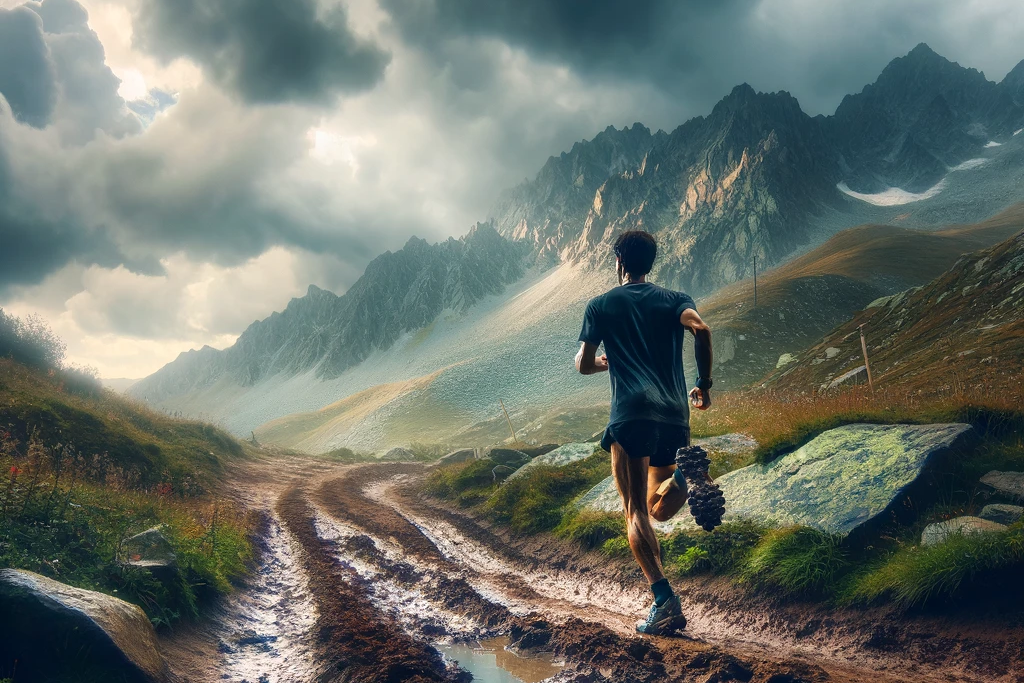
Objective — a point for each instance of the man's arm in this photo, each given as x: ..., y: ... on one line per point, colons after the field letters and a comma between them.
x: 587, y: 360
x: 701, y: 393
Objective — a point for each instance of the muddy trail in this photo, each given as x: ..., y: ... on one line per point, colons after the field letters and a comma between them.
x: 360, y: 578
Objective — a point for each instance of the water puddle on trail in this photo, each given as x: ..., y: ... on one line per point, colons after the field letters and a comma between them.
x: 490, y: 662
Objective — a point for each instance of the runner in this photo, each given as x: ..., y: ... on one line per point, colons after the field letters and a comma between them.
x: 642, y: 327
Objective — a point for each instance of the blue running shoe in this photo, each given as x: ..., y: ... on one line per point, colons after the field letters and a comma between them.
x: 663, y: 619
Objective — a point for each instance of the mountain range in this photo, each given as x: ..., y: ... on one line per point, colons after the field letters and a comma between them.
x: 929, y: 143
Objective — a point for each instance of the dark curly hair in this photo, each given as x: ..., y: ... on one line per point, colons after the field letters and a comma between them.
x: 636, y: 250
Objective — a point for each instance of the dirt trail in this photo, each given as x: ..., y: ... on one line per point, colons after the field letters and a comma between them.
x: 360, y: 577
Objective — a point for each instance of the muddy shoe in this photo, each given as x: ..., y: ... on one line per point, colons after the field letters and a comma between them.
x: 663, y: 619
x: 707, y: 504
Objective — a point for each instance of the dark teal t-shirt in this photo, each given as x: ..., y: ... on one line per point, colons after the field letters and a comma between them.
x: 643, y: 339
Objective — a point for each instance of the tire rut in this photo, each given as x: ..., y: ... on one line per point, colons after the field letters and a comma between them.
x: 592, y: 651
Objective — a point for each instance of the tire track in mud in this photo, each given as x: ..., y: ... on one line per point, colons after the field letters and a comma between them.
x: 354, y: 643
x: 878, y: 644
x: 591, y: 650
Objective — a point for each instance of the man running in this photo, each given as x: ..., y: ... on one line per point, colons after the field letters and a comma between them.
x: 642, y: 327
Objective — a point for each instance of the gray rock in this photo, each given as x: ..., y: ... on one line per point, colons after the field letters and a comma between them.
x: 502, y: 472
x: 1003, y: 514
x: 398, y: 455
x: 1009, y: 484
x: 839, y: 481
x: 150, y: 550
x: 939, y: 531
x: 560, y: 457
x: 455, y: 457
x: 50, y: 628
x: 858, y: 375
x: 508, y: 456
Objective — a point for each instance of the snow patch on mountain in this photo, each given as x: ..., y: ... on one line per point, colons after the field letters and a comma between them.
x: 893, y: 196
x: 969, y: 164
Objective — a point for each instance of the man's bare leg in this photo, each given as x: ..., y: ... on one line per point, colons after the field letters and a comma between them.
x: 665, y: 497
x: 631, y: 479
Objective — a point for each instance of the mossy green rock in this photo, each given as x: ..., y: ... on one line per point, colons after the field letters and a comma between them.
x: 938, y: 532
x: 54, y: 630
x: 839, y: 481
x: 560, y: 457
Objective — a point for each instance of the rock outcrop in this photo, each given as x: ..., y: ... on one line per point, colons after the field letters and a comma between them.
x: 939, y: 532
x: 455, y: 457
x: 398, y: 292
x: 565, y: 454
x: 53, y: 629
x: 1003, y: 514
x: 1008, y: 484
x: 839, y: 482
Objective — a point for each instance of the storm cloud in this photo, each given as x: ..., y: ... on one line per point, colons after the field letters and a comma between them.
x: 27, y: 75
x: 265, y: 50
x: 270, y: 144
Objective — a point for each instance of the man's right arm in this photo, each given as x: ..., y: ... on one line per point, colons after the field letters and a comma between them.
x: 701, y: 393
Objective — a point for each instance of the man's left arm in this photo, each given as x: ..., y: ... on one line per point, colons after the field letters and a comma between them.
x: 587, y: 360
x: 700, y: 395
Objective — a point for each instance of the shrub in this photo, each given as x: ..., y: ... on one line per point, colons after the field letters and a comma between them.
x: 798, y: 560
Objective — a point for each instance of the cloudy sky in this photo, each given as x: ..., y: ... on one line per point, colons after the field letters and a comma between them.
x: 171, y: 170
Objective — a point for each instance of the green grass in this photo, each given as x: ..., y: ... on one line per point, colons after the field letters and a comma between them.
x: 83, y: 469
x: 914, y: 575
x: 798, y: 561
x: 692, y: 552
x: 538, y: 500
x: 469, y: 483
x: 149, y: 447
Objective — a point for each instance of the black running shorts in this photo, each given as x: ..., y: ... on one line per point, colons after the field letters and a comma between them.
x: 658, y: 441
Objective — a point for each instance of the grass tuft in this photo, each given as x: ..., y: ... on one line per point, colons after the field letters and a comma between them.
x: 691, y: 552
x: 915, y: 575
x: 798, y: 561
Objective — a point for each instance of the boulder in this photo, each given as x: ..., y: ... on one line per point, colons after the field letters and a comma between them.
x: 939, y: 531
x: 839, y: 481
x: 398, y: 455
x: 151, y: 550
x: 559, y: 457
x: 501, y: 472
x: 56, y: 630
x: 1003, y: 514
x: 1009, y: 484
x: 455, y: 457
x: 508, y: 456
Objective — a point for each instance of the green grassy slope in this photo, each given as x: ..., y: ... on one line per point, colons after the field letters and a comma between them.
x: 962, y: 332
x: 84, y: 468
x: 804, y: 299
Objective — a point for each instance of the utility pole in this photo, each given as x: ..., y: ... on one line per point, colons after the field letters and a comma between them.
x: 507, y: 418
x: 867, y: 365
x: 755, y: 280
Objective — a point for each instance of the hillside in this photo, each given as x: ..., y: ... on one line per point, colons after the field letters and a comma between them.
x: 801, y: 301
x: 85, y: 469
x: 963, y: 332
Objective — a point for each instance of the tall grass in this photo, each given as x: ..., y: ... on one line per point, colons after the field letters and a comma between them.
x: 915, y: 575
x: 67, y: 516
x: 781, y: 422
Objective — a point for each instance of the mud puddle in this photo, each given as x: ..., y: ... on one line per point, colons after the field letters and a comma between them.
x: 490, y: 661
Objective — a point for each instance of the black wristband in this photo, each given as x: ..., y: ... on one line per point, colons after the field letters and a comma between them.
x: 704, y: 384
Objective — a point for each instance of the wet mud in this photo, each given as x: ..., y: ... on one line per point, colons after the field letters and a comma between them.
x: 362, y: 578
